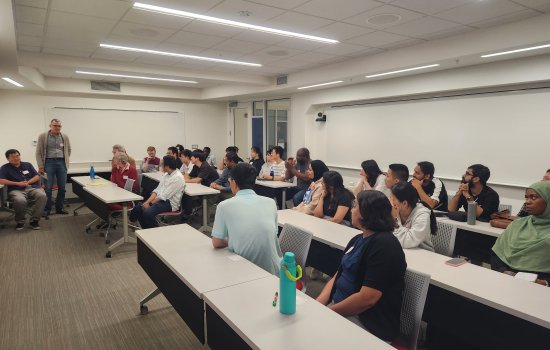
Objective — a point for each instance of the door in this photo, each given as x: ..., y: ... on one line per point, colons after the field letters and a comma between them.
x: 240, y: 117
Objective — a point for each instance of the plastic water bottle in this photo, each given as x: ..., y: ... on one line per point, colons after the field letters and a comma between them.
x: 92, y: 172
x: 287, y: 287
x: 272, y: 172
x: 472, y: 212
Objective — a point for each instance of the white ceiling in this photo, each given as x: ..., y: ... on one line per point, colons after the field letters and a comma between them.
x: 75, y: 28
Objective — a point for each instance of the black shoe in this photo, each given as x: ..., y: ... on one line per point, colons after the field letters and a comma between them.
x: 35, y: 225
x: 62, y: 212
x: 46, y: 214
x: 19, y: 226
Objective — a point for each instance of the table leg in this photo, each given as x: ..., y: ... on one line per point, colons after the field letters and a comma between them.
x: 283, y: 204
x: 205, y: 228
x: 126, y: 238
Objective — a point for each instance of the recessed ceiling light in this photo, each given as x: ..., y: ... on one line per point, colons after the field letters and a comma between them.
x: 322, y: 84
x: 134, y: 77
x: 178, y: 13
x: 383, y: 19
x: 515, y: 51
x: 174, y: 54
x: 402, y: 70
x: 13, y: 82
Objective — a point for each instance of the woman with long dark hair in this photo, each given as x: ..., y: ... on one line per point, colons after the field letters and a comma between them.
x: 256, y: 159
x: 336, y: 201
x: 371, y: 178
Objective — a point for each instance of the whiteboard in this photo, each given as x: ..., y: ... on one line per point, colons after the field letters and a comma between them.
x: 508, y: 132
x: 93, y: 132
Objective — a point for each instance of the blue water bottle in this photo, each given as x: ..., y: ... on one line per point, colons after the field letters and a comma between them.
x: 289, y: 273
x: 92, y: 172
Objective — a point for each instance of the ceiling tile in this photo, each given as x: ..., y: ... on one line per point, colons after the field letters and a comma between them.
x: 259, y: 37
x: 313, y: 57
x: 61, y: 33
x: 155, y: 19
x: 112, y: 9
x: 403, y: 43
x: 158, y: 60
x: 424, y: 27
x: 26, y: 40
x: 509, y: 18
x: 541, y: 5
x: 297, y: 22
x: 195, y: 39
x: 429, y: 7
x: 73, y: 53
x: 284, y: 4
x: 244, y: 47
x: 30, y: 14
x: 195, y: 64
x: 69, y: 45
x: 229, y: 9
x: 142, y: 31
x: 185, y: 49
x: 220, y: 54
x: 341, y: 49
x: 34, y: 3
x: 479, y: 11
x: 405, y: 16
x: 131, y: 41
x: 367, y: 52
x: 377, y: 39
x: 301, y: 44
x: 75, y: 24
x: 199, y: 6
x: 341, y: 31
x: 115, y: 55
x: 335, y: 10
x: 290, y: 63
x: 212, y: 29
x: 447, y: 33
x: 29, y: 29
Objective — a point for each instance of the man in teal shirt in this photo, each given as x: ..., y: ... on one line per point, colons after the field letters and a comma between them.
x: 247, y: 223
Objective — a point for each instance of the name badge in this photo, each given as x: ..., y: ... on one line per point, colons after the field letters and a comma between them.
x: 61, y: 144
x: 25, y: 172
x: 125, y: 177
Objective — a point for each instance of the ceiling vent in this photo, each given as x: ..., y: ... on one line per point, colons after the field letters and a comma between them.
x: 282, y: 80
x: 104, y: 86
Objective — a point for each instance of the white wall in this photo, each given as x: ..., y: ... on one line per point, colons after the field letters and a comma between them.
x: 304, y: 107
x: 22, y: 120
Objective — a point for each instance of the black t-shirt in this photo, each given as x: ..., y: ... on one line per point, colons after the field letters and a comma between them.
x: 179, y: 163
x: 382, y: 267
x: 488, y: 199
x: 206, y: 173
x: 342, y: 198
x: 443, y: 199
x: 257, y: 164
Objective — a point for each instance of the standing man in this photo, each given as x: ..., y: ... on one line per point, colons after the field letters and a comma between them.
x: 52, y: 156
x: 23, y: 189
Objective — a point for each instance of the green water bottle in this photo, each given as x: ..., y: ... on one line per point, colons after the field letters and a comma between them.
x: 289, y: 273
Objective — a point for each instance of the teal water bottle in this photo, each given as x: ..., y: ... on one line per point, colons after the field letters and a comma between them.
x: 92, y: 172
x: 287, y: 283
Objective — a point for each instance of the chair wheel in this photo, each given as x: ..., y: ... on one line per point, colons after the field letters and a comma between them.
x: 108, y: 254
x: 75, y: 213
x: 88, y: 229
x: 102, y: 234
x: 98, y: 226
x: 107, y: 241
x: 143, y: 309
x: 114, y: 227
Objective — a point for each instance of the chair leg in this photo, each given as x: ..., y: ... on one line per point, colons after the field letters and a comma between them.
x: 142, y: 307
x: 107, y: 240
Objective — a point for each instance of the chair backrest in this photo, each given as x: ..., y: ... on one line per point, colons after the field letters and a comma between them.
x: 502, y: 207
x: 444, y: 240
x: 296, y: 240
x: 414, y: 298
x: 129, y: 185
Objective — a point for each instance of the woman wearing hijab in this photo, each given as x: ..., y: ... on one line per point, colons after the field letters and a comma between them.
x: 313, y: 193
x: 524, y: 245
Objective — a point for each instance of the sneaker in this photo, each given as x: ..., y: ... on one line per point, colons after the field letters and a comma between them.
x: 19, y: 226
x: 62, y: 212
x: 35, y: 225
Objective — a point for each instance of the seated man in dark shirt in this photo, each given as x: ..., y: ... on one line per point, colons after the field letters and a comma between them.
x: 474, y: 188
x: 298, y: 169
x: 23, y: 189
x: 202, y: 173
x: 430, y: 189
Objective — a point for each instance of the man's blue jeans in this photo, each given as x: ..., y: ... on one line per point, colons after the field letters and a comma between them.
x: 146, y: 217
x: 57, y: 172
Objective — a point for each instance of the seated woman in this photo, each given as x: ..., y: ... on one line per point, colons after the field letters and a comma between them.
x: 121, y: 172
x: 372, y: 178
x: 336, y: 201
x: 416, y: 222
x: 368, y: 287
x: 523, y: 246
x: 256, y: 159
x: 313, y: 193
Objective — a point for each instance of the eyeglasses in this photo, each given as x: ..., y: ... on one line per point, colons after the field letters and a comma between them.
x: 56, y: 126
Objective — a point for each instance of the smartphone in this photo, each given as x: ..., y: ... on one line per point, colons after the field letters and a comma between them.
x: 456, y: 262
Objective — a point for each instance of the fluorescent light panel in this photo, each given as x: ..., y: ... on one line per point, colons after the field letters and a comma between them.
x: 11, y: 81
x: 401, y: 71
x: 515, y: 51
x: 174, y: 54
x: 323, y: 84
x: 178, y: 13
x: 134, y: 77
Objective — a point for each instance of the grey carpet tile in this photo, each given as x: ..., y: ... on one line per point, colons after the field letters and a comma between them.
x: 58, y: 291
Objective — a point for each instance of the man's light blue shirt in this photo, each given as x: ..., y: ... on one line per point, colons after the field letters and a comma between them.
x: 249, y: 222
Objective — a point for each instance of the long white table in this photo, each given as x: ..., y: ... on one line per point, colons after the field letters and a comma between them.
x: 191, y: 189
x: 278, y: 185
x: 481, y: 227
x: 184, y: 265
x: 112, y: 195
x: 242, y: 316
x: 469, y: 303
